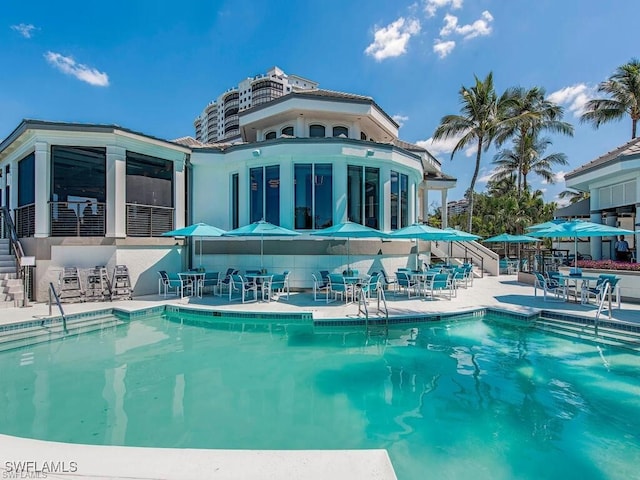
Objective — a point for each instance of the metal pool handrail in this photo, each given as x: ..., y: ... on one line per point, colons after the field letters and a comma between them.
x: 55, y: 295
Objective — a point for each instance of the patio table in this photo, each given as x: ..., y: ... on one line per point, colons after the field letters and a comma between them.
x: 195, y: 279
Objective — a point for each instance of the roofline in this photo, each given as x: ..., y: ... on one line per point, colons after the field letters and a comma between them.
x: 303, y: 94
x: 31, y: 124
x: 590, y: 168
x: 282, y: 141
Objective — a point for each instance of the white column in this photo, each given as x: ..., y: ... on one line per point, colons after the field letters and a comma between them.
x: 179, y: 179
x: 115, y: 210
x: 636, y: 227
x: 340, y: 180
x: 299, y: 130
x: 612, y: 221
x: 445, y: 213
x: 355, y: 131
x: 13, y: 182
x: 42, y: 184
x: 414, y: 203
x: 425, y: 204
x: 596, y: 242
x: 287, y: 199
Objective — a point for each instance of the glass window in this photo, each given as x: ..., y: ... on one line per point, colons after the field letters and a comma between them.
x: 27, y: 180
x: 313, y: 190
x: 363, y: 136
x: 287, y: 131
x: 354, y: 193
x: 363, y: 195
x: 235, y: 200
x: 372, y: 197
x: 340, y: 131
x: 79, y: 174
x: 265, y: 194
x: 317, y: 131
x: 149, y: 180
x: 270, y: 136
x: 399, y: 200
x: 404, y: 200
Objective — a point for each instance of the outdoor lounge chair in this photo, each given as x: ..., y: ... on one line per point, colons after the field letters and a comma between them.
x: 166, y: 283
x: 406, y: 283
x: 211, y: 280
x: 440, y: 282
x: 388, y: 282
x: 276, y: 284
x: 338, y: 286
x: 320, y: 286
x: 371, y: 286
x: 238, y: 284
x: 549, y: 285
x: 225, y: 281
x: 599, y: 289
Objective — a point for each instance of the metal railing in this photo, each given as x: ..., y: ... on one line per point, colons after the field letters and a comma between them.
x: 148, y: 220
x: 473, y: 255
x: 8, y: 230
x: 52, y: 291
x: 25, y: 220
x: 77, y: 219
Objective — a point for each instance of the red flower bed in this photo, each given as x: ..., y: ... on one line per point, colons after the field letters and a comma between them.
x: 609, y: 265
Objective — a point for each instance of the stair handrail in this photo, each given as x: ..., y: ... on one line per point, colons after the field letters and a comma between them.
x: 12, y: 235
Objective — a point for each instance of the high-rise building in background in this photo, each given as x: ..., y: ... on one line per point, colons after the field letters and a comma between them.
x: 219, y: 121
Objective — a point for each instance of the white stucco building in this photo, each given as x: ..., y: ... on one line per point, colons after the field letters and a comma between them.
x: 85, y: 195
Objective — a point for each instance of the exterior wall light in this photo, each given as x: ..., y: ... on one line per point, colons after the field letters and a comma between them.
x: 256, y: 152
x: 370, y: 152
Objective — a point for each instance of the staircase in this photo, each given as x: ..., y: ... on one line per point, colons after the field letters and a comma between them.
x: 11, y: 287
x: 480, y: 255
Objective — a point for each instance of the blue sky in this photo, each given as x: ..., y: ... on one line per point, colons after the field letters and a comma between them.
x: 153, y: 65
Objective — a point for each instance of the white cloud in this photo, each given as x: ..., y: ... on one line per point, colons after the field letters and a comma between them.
x: 432, y: 6
x: 575, y: 97
x: 82, y: 72
x: 438, y: 147
x: 479, y: 28
x: 24, y: 29
x: 400, y: 119
x: 485, y: 176
x: 450, y: 25
x: 391, y: 41
x: 442, y: 48
x: 558, y: 177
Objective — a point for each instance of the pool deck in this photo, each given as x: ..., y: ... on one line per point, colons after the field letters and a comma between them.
x: 503, y: 292
x: 101, y: 462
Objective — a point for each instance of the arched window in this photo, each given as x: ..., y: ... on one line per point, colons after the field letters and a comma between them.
x: 341, y: 132
x: 287, y: 131
x: 363, y: 136
x: 270, y: 136
x: 317, y: 131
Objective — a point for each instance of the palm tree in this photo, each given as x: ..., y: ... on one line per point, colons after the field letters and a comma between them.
x: 530, y: 113
x: 526, y: 157
x: 623, y: 91
x: 573, y: 195
x: 481, y: 114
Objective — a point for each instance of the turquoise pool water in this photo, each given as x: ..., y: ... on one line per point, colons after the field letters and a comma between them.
x: 477, y: 399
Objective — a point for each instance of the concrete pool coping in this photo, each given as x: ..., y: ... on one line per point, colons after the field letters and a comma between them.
x: 116, y: 462
x: 500, y: 293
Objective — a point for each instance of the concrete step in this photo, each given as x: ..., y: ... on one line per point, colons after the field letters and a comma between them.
x: 606, y: 335
x: 39, y: 334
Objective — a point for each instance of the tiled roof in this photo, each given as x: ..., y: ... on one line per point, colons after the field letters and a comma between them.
x: 628, y: 149
x: 319, y: 92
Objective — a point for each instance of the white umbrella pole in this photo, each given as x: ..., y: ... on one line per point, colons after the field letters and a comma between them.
x: 261, y: 253
x: 200, y: 252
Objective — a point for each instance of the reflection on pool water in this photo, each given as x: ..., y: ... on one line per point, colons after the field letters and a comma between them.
x: 478, y: 398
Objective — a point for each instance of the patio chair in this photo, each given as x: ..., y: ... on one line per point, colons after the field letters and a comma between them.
x: 166, y: 283
x: 276, y: 284
x: 458, y: 279
x: 599, y: 289
x: 388, y: 282
x: 371, y: 286
x: 339, y: 287
x: 211, y: 280
x: 319, y: 286
x: 238, y: 284
x: 407, y: 283
x: 225, y: 281
x: 549, y: 285
x: 440, y: 282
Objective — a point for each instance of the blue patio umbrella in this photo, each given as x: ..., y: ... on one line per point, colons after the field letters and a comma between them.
x: 509, y: 238
x: 579, y: 229
x: 261, y: 229
x: 350, y: 230
x: 550, y: 223
x: 420, y: 231
x: 198, y: 230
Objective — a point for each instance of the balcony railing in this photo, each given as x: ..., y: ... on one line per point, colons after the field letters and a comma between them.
x: 25, y: 220
x: 77, y: 219
x: 148, y: 220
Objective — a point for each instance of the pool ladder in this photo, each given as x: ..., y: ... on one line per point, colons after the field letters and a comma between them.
x: 363, y: 308
x: 52, y: 291
x: 605, y: 293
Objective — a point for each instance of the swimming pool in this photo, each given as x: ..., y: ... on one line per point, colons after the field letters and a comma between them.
x: 478, y: 397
